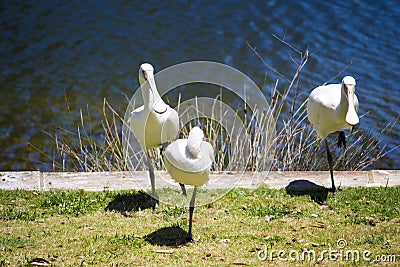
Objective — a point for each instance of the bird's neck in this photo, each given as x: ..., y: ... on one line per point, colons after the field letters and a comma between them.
x: 152, y: 100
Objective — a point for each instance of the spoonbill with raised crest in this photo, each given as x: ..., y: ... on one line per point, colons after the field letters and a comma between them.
x: 188, y: 161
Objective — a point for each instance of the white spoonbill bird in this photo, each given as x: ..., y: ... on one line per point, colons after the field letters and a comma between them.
x: 155, y: 123
x: 332, y: 108
x: 188, y: 161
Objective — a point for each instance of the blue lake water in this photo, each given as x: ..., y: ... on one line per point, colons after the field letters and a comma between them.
x: 91, y: 50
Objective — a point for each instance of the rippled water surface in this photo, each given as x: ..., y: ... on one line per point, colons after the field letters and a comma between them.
x: 61, y: 56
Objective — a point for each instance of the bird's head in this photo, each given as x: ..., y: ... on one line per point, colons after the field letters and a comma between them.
x: 195, y: 138
x: 152, y: 99
x: 146, y: 71
x: 349, y: 87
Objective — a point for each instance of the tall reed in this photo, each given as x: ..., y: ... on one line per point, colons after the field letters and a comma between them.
x: 294, y: 146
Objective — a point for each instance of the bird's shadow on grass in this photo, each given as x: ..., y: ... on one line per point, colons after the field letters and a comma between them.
x: 316, y: 192
x: 130, y: 202
x: 167, y: 236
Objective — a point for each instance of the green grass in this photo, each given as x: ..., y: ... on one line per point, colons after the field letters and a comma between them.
x: 80, y: 228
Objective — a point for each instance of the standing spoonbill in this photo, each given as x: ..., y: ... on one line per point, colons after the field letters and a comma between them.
x: 155, y: 123
x: 332, y: 108
x: 188, y: 161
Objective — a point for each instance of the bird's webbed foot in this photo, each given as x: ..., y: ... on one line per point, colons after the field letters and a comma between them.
x: 189, y: 239
x: 154, y: 201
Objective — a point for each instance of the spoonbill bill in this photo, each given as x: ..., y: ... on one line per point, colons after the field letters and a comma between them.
x: 155, y: 123
x: 188, y: 161
x: 332, y: 108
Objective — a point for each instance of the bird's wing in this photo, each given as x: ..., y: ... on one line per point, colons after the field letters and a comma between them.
x: 313, y: 110
x: 178, y: 157
x: 136, y: 120
x: 210, y: 151
x: 327, y: 95
x: 170, y: 127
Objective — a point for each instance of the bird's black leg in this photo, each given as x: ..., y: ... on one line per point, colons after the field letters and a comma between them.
x: 183, y: 189
x: 341, y: 139
x: 328, y: 153
x: 191, y: 210
x: 152, y: 182
x: 164, y: 146
x: 354, y: 128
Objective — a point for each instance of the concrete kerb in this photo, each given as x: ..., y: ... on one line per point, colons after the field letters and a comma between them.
x: 100, y: 181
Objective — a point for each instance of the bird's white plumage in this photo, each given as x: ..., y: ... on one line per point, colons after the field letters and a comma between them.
x: 154, y: 123
x: 333, y: 107
x: 349, y: 80
x: 188, y: 161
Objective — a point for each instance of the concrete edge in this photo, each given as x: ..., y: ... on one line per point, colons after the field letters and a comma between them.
x: 100, y: 181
